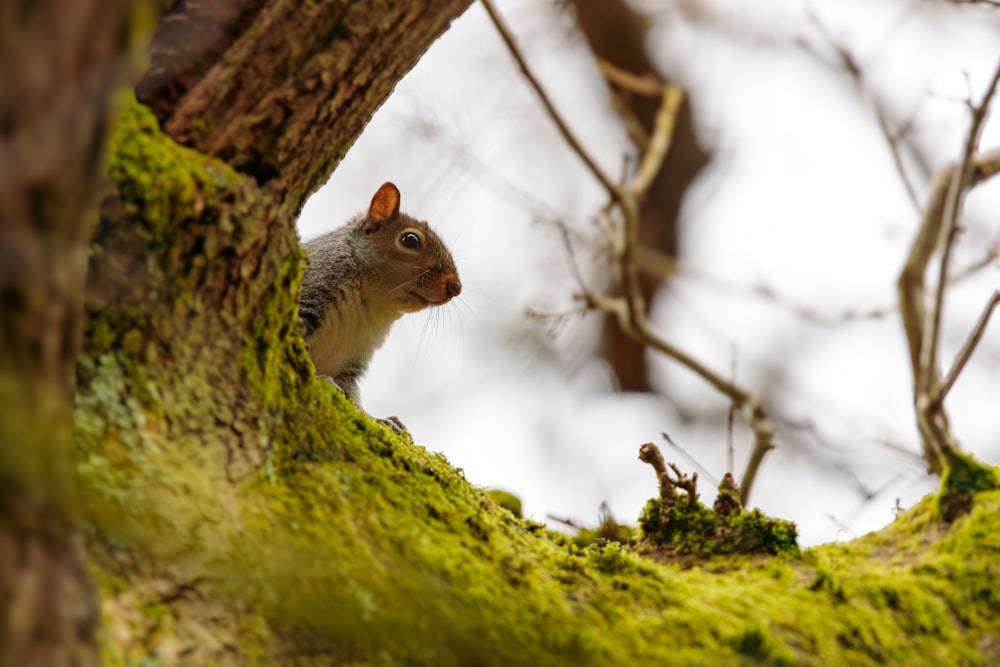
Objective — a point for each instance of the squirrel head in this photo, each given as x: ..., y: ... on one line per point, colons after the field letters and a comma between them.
x: 416, y: 269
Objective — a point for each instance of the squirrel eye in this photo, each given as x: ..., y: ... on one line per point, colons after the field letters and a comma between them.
x: 410, y: 240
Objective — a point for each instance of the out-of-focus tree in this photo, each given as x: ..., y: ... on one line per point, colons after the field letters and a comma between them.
x: 617, y: 35
x: 60, y: 63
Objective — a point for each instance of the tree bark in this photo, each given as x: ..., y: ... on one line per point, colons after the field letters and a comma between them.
x: 59, y: 62
x: 193, y: 367
x: 280, y: 89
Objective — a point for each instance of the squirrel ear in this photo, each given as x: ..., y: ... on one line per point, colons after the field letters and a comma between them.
x: 385, y: 205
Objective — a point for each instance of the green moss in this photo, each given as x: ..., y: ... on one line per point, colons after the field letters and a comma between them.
x: 962, y: 478
x: 159, y: 180
x: 389, y: 556
x: 241, y: 511
x: 507, y: 500
x: 691, y: 529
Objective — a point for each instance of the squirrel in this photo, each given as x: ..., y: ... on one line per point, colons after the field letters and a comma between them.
x: 364, y: 276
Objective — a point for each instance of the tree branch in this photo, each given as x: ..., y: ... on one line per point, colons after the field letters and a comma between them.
x: 967, y: 349
x: 936, y: 234
x: 567, y: 134
x: 960, y: 183
x: 849, y: 64
x: 630, y: 309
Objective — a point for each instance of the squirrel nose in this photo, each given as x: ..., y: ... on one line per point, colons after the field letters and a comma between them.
x: 453, y: 287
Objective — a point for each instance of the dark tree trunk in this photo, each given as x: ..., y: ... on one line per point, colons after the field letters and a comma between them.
x: 59, y: 62
x: 617, y: 35
x: 192, y: 356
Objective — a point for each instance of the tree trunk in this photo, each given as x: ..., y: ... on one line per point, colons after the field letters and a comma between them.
x: 59, y: 63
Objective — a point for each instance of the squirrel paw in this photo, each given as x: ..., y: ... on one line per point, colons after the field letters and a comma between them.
x: 395, y: 424
x: 329, y: 379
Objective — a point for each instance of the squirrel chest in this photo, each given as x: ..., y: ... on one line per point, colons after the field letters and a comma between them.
x: 364, y: 276
x: 348, y: 334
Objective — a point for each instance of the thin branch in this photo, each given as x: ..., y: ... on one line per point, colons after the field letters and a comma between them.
x: 730, y: 418
x: 687, y: 484
x: 892, y: 139
x: 937, y: 233
x: 960, y: 183
x: 763, y: 442
x: 967, y: 349
x: 643, y: 85
x: 630, y: 309
x: 991, y: 256
x: 650, y: 453
x: 683, y: 452
x: 849, y: 64
x: 620, y: 308
x: 911, y: 279
x: 659, y: 144
x: 564, y: 130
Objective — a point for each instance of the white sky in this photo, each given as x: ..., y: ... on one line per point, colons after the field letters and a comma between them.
x: 802, y: 197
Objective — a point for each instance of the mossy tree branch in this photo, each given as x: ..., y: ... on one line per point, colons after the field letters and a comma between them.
x: 240, y: 512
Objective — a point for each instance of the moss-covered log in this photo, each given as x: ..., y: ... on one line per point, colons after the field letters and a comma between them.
x: 240, y: 512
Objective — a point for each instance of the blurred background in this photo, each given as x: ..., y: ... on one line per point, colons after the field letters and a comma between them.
x: 790, y: 200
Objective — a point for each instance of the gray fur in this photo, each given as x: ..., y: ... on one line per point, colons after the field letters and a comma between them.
x: 334, y: 289
x: 361, y: 278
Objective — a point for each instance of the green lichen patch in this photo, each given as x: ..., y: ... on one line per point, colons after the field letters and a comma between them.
x: 679, y: 527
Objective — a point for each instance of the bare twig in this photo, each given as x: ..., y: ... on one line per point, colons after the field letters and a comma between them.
x: 967, y: 349
x: 849, y: 64
x: 937, y: 233
x: 566, y: 521
x: 659, y: 143
x: 650, y: 453
x: 988, y: 258
x: 620, y: 308
x: 630, y: 309
x: 730, y: 417
x: 687, y: 484
x: 564, y: 130
x: 623, y: 207
x: 911, y: 279
x: 643, y: 85
x: 691, y: 459
x: 960, y: 183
